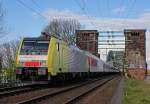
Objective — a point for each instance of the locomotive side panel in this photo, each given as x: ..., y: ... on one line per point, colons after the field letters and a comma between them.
x: 78, y: 61
x: 100, y: 66
x: 53, y: 57
x: 96, y: 65
x: 65, y: 58
x: 93, y: 64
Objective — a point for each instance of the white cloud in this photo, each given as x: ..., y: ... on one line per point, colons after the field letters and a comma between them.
x: 142, y: 21
x: 121, y: 9
x: 100, y: 23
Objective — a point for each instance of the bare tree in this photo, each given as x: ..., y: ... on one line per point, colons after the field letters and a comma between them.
x: 63, y: 28
x: 1, y: 28
x: 8, y: 53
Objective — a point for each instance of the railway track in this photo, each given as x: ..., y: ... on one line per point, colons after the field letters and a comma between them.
x: 20, y: 97
x: 11, y: 91
x: 77, y: 98
x: 16, y: 87
x: 69, y: 95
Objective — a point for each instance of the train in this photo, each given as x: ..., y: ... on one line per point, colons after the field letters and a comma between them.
x: 47, y: 59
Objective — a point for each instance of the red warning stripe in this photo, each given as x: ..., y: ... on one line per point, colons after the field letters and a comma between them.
x: 35, y: 63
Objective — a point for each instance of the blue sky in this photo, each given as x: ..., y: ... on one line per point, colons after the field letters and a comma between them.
x: 93, y: 14
x: 21, y: 21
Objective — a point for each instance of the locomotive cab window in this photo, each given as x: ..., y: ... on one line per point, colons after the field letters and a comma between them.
x: 37, y: 47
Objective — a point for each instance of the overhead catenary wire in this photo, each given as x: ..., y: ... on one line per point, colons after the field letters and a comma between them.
x: 82, y: 8
x: 132, y: 4
x: 88, y: 12
x: 36, y: 4
x: 30, y: 8
x: 85, y: 11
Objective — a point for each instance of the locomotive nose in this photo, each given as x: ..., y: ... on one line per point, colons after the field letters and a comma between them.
x: 32, y: 73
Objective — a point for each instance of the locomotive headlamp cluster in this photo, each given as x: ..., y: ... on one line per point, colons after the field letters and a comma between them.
x: 41, y: 71
x: 18, y: 71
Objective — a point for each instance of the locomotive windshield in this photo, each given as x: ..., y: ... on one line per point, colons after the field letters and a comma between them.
x: 34, y: 47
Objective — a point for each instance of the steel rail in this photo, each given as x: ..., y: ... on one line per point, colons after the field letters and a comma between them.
x: 16, y: 87
x: 38, y: 99
x: 19, y: 90
x: 76, y: 98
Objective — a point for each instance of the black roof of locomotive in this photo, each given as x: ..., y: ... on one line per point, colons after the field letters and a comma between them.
x: 35, y: 39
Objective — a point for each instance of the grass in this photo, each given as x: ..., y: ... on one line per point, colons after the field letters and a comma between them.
x: 136, y: 92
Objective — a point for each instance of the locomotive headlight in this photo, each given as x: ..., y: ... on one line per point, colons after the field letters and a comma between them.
x: 41, y: 71
x: 19, y: 71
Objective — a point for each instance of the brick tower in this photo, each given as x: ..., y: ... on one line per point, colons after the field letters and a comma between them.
x: 87, y: 40
x: 135, y: 52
